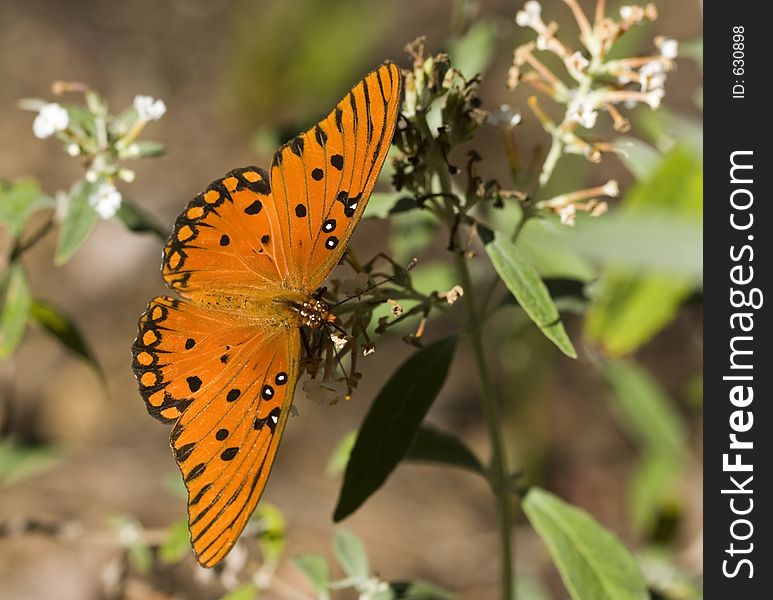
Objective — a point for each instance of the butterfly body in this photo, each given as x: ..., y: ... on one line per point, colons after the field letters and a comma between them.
x: 247, y: 256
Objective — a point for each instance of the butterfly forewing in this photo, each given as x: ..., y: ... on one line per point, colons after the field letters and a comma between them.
x: 325, y: 176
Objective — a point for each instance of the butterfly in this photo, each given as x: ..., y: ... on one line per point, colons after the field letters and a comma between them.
x: 246, y: 257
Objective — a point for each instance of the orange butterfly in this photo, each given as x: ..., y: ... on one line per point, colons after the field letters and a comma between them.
x: 247, y: 256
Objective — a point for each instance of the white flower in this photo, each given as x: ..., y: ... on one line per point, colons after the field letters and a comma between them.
x: 568, y: 214
x: 106, y: 200
x: 51, y: 118
x: 530, y: 16
x: 577, y: 62
x: 126, y: 175
x: 654, y: 98
x: 338, y: 341
x: 669, y: 48
x: 582, y: 112
x: 504, y: 115
x: 611, y: 189
x: 652, y: 76
x: 626, y: 12
x: 453, y: 294
x: 73, y: 149
x: 148, y: 108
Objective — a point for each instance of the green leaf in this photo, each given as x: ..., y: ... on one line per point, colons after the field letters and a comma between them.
x: 138, y: 220
x: 523, y: 281
x: 248, y: 591
x: 633, y: 305
x: 433, y: 445
x: 340, y: 455
x: 177, y: 544
x: 351, y: 555
x: 64, y: 330
x: 316, y: 570
x: 551, y: 256
x: 641, y: 159
x: 652, y: 489
x: 271, y: 538
x: 140, y: 557
x: 644, y: 409
x: 77, y: 224
x: 19, y: 462
x: 391, y: 424
x: 18, y: 200
x: 472, y: 52
x: 419, y: 590
x: 15, y: 300
x: 592, y: 562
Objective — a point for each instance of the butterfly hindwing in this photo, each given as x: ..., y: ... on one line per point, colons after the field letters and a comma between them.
x: 324, y: 177
x: 228, y: 388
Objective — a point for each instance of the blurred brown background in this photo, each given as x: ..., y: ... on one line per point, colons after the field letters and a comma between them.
x: 224, y: 70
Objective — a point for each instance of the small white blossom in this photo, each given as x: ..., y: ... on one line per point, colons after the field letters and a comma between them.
x: 369, y: 349
x: 568, y: 214
x: 453, y: 294
x: 582, y: 112
x: 611, y: 189
x: 577, y: 62
x: 126, y: 175
x: 338, y: 341
x: 91, y: 176
x: 654, y: 98
x: 504, y: 115
x: 530, y: 16
x: 395, y: 307
x: 73, y: 149
x: 51, y: 119
x: 669, y: 48
x: 149, y: 108
x: 626, y: 12
x: 106, y: 200
x: 652, y: 75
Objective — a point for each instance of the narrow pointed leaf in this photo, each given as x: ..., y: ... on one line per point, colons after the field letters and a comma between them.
x: 351, y: 555
x: 592, y: 562
x: 64, y: 329
x: 77, y: 223
x: 139, y: 221
x: 433, y: 445
x: 15, y: 303
x: 523, y: 281
x: 316, y: 570
x: 391, y: 424
x: 18, y: 200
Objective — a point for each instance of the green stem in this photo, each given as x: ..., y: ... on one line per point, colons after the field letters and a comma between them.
x: 498, y: 476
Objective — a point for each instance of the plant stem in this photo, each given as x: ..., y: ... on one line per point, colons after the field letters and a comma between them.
x: 498, y: 476
x: 22, y: 246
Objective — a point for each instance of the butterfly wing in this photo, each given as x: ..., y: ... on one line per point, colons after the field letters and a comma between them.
x: 226, y: 238
x: 322, y: 179
x: 228, y: 387
x: 250, y: 230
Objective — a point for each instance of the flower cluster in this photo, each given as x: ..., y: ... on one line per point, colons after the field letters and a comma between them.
x: 100, y: 139
x: 593, y: 83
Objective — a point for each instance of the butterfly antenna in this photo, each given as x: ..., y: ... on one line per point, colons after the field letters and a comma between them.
x: 408, y: 267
